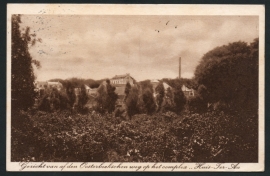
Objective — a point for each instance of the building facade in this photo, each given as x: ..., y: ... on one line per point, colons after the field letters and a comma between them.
x: 56, y: 85
x: 41, y: 86
x: 188, y: 91
x: 122, y: 79
x: 47, y: 84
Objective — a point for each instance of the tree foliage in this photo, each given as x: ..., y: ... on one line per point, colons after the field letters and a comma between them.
x: 83, y: 98
x: 112, y: 97
x: 53, y: 100
x: 106, y: 98
x: 127, y: 90
x: 77, y: 82
x: 179, y: 99
x: 230, y: 75
x: 70, y: 91
x: 146, y: 102
x: 180, y: 82
x: 160, y: 91
x: 64, y: 137
x: 22, y: 75
x: 132, y: 101
x: 168, y: 104
x: 101, y: 98
x: 140, y: 99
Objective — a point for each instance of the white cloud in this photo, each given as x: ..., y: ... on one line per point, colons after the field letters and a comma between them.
x: 102, y: 46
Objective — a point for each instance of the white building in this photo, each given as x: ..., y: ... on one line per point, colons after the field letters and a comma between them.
x: 56, y: 85
x: 122, y: 79
x: 48, y: 84
x: 188, y: 91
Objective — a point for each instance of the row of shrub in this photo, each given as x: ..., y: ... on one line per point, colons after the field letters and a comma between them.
x: 53, y: 99
x: 139, y: 98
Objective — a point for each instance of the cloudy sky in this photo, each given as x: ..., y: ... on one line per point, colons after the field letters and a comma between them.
x: 147, y: 47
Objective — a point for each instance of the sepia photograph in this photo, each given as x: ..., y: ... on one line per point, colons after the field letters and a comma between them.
x: 111, y: 91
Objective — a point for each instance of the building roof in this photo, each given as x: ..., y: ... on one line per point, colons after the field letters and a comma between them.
x: 166, y: 86
x: 185, y: 88
x: 87, y: 87
x: 122, y: 76
x: 54, y: 83
x: 154, y: 81
x: 39, y: 84
x: 155, y: 84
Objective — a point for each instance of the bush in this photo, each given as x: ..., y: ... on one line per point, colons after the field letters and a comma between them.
x: 111, y: 98
x: 127, y: 90
x: 168, y: 103
x: 179, y: 100
x: 64, y: 137
x: 101, y: 99
x: 196, y: 104
x: 140, y: 99
x: 45, y: 104
x: 132, y: 101
x: 146, y: 102
x: 70, y: 91
x: 50, y: 100
x: 83, y: 98
x: 160, y: 91
x: 106, y: 98
x: 63, y: 98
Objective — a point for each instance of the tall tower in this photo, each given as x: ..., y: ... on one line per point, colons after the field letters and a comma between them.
x: 179, y: 67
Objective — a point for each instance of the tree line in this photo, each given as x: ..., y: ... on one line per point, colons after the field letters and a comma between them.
x: 78, y: 82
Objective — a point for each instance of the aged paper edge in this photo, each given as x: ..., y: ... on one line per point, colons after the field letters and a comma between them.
x: 109, y: 9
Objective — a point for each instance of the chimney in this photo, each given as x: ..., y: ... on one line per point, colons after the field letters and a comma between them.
x: 179, y: 67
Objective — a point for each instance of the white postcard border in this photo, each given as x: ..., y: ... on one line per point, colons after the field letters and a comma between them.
x: 109, y: 9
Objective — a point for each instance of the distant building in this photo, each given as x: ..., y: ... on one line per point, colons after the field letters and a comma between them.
x: 122, y: 80
x: 41, y: 86
x: 87, y: 88
x: 119, y: 82
x: 56, y: 85
x: 188, y: 91
x: 90, y: 91
x: 155, y: 83
x: 48, y: 84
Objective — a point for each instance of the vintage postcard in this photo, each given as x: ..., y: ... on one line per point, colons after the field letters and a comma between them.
x: 140, y: 88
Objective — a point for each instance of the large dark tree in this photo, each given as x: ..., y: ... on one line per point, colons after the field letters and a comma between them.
x: 22, y: 75
x: 230, y: 75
